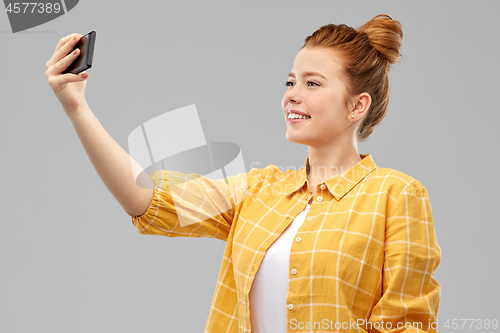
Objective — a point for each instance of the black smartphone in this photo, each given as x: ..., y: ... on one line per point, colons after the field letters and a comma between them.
x: 84, y: 61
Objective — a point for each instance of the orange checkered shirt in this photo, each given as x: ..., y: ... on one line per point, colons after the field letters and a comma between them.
x: 364, y: 257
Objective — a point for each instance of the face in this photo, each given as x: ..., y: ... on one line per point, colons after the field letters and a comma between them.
x: 315, y: 88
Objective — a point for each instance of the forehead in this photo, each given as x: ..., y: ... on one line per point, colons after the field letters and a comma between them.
x: 315, y: 59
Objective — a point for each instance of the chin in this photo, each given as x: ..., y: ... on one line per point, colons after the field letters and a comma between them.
x: 297, y: 139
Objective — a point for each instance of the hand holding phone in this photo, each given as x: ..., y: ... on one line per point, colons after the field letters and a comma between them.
x: 70, y: 89
x: 84, y: 61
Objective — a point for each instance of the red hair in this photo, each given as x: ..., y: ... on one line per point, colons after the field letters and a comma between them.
x: 366, y: 55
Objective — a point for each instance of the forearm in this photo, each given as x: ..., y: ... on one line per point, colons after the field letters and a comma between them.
x: 116, y: 168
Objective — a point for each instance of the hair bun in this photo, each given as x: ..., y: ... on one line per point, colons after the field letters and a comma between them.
x: 385, y: 36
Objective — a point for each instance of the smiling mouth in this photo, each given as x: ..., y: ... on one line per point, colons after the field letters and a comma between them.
x: 297, y: 120
x: 292, y: 116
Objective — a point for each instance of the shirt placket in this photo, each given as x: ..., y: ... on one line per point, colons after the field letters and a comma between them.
x: 300, y: 245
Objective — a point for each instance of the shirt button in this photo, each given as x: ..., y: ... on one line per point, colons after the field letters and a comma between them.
x: 309, y: 218
x: 320, y: 198
x: 298, y: 239
x: 290, y: 306
x: 294, y: 271
x: 323, y: 186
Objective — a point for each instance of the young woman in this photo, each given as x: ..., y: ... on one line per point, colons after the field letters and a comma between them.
x: 339, y: 245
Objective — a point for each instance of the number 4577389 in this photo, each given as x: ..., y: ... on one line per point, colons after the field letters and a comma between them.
x: 41, y: 8
x: 471, y: 323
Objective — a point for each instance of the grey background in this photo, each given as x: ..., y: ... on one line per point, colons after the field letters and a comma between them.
x: 70, y: 258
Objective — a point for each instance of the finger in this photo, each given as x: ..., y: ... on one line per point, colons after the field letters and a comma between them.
x: 63, y: 50
x: 56, y: 56
x: 67, y: 78
x: 64, y: 40
x: 62, y: 64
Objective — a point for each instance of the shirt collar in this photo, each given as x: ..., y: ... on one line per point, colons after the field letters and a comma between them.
x: 339, y: 185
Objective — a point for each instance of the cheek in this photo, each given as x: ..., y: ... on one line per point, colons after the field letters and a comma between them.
x: 329, y: 108
x: 322, y: 104
x: 331, y: 102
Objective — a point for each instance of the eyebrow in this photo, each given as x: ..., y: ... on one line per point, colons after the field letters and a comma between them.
x: 306, y: 74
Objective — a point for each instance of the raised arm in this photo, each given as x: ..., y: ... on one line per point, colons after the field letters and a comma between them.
x: 114, y: 165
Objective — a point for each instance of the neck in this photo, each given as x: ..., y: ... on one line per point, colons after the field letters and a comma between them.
x: 326, y: 162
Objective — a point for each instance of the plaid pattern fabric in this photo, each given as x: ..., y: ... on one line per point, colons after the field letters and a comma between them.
x: 363, y: 260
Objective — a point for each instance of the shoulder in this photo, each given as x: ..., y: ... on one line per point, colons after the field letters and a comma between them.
x: 271, y: 175
x: 394, y: 181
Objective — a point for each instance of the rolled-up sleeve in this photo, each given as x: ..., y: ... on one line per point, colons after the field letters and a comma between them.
x: 191, y: 205
x: 410, y: 294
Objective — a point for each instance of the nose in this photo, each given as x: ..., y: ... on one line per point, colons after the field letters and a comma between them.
x: 292, y: 95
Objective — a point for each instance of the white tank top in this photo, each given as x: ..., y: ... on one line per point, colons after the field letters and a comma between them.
x: 270, y: 286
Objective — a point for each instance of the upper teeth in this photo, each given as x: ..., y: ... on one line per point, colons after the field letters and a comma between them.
x: 297, y: 116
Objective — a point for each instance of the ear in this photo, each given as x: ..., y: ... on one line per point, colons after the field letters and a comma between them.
x: 361, y: 105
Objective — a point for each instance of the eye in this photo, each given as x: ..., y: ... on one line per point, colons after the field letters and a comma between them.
x: 290, y: 83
